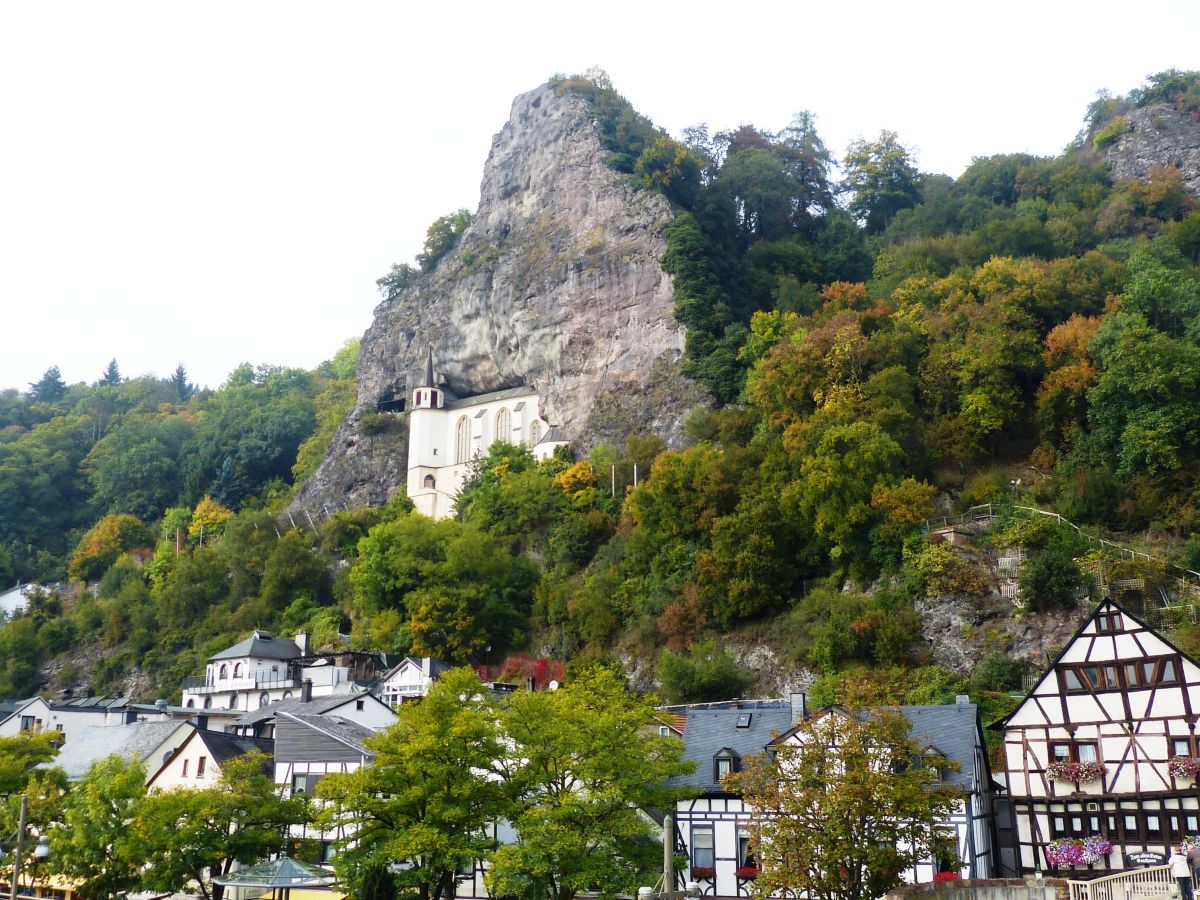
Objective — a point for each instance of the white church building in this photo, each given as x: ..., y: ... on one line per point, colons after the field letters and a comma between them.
x: 446, y: 434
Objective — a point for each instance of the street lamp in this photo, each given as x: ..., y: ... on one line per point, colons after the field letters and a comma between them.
x: 41, y: 851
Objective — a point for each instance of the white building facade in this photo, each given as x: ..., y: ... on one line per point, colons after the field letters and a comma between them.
x: 1104, y: 749
x: 446, y: 434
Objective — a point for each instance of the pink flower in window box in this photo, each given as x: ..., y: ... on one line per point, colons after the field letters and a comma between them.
x: 746, y: 871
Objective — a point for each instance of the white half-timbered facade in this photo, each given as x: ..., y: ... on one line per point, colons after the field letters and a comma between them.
x: 952, y: 733
x: 1102, y: 744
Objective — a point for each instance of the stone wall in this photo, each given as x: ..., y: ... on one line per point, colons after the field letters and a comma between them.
x: 985, y: 889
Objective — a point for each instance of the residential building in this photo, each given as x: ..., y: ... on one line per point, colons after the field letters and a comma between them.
x: 713, y: 828
x: 362, y: 708
x: 950, y: 733
x: 25, y: 715
x: 151, y: 743
x: 309, y: 747
x: 446, y: 433
x: 410, y: 678
x: 264, y: 669
x: 1105, y: 747
x: 198, y: 761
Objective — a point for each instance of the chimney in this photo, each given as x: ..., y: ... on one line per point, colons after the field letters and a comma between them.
x: 304, y: 642
x: 962, y: 699
x: 202, y: 722
x: 306, y: 691
x: 799, y: 707
x: 160, y: 704
x: 131, y: 716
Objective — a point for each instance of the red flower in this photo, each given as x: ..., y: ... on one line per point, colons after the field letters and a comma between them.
x: 746, y: 871
x: 703, y: 872
x: 945, y: 876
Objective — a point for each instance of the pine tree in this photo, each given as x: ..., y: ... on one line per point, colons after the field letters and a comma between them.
x: 183, y: 390
x: 49, y: 387
x: 112, y: 374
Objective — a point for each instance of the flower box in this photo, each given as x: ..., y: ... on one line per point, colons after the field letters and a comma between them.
x: 1065, y: 852
x: 1184, y: 767
x: 1076, y: 772
x: 702, y: 872
x: 746, y: 872
x: 946, y: 876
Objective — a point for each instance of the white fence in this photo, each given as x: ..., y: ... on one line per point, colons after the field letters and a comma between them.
x: 1153, y: 883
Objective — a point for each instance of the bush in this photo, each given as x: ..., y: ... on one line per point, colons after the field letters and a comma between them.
x: 1110, y: 132
x: 998, y: 671
x: 1050, y: 579
x: 703, y: 674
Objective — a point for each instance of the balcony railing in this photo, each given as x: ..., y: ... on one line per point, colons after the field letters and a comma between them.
x: 1154, y: 883
x: 198, y: 684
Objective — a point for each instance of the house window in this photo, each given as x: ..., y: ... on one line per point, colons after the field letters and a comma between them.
x: 1181, y: 747
x: 1108, y: 622
x: 462, y: 440
x: 27, y: 723
x: 743, y: 721
x: 430, y: 482
x: 664, y: 731
x: 504, y: 425
x: 702, y: 847
x: 233, y: 701
x: 264, y: 700
x: 305, y: 783
x: 185, y: 768
x: 208, y: 702
x: 1058, y: 825
x: 724, y: 767
x: 1086, y: 677
x: 224, y: 673
x: 190, y: 703
x: 745, y: 857
x: 200, y: 763
x: 535, y: 433
x: 237, y: 670
x: 1153, y: 826
x: 1073, y: 751
x: 360, y: 704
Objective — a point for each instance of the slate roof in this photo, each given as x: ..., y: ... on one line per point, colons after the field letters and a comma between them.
x: 350, y: 733
x: 261, y: 645
x: 710, y: 728
x: 505, y: 394
x: 225, y: 746
x: 133, y: 741
x: 553, y: 436
x: 317, y: 706
x: 951, y: 728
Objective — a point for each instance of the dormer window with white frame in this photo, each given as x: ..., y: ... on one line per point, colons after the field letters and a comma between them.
x: 725, y: 762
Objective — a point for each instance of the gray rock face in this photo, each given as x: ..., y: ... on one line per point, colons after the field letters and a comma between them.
x: 1160, y: 135
x: 556, y: 284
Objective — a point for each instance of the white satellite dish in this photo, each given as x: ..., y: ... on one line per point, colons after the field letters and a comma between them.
x: 553, y: 685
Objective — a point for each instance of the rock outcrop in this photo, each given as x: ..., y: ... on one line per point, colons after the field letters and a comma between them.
x: 556, y: 284
x: 1159, y: 135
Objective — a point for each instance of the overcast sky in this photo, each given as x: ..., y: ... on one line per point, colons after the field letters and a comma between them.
x: 218, y: 182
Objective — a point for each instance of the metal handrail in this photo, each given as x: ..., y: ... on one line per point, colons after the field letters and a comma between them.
x: 1136, y: 884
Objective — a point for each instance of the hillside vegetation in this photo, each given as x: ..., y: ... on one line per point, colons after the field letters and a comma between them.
x: 882, y: 342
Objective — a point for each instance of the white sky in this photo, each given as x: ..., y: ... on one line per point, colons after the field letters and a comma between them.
x: 217, y: 182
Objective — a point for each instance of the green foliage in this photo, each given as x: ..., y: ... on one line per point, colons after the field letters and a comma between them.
x: 1110, y: 132
x: 440, y: 239
x: 20, y: 757
x: 583, y: 762
x: 431, y: 794
x: 704, y: 673
x: 996, y: 671
x: 104, y: 542
x: 1050, y: 579
x: 394, y: 282
x: 842, y: 775
x: 96, y: 847
x: 883, y: 179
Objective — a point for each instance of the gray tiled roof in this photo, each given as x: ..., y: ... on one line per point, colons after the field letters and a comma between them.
x: 713, y: 728
x: 133, y: 741
x: 316, y: 706
x: 343, y: 729
x: 950, y: 728
x: 224, y: 746
x: 260, y: 645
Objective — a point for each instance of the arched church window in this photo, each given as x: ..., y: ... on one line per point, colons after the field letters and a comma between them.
x: 208, y: 702
x: 191, y: 703
x: 535, y: 433
x: 224, y: 673
x: 237, y: 670
x: 430, y: 482
x: 504, y: 425
x: 462, y: 440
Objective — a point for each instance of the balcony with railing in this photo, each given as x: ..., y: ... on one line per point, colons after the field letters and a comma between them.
x: 198, y: 684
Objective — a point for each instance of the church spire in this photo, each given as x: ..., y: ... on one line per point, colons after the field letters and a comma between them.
x: 428, y: 382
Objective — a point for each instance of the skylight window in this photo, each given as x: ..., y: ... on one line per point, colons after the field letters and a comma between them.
x: 744, y: 720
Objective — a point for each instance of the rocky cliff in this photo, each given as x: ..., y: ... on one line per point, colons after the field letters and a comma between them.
x: 1159, y: 135
x: 556, y: 284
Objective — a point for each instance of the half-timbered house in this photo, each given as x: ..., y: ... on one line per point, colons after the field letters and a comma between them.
x: 1104, y: 747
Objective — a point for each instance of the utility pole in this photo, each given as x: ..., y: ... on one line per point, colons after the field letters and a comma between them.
x: 20, y: 849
